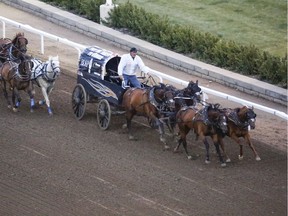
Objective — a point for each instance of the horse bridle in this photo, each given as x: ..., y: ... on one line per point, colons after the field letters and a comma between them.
x: 49, y: 79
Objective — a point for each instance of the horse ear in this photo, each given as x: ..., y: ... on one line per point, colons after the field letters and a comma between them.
x: 197, y: 82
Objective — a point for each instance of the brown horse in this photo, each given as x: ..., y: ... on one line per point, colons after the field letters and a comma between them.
x: 149, y: 102
x: 13, y: 49
x: 209, y: 121
x: 240, y: 120
x: 17, y: 76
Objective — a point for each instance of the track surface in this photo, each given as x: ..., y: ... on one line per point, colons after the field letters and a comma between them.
x: 60, y: 166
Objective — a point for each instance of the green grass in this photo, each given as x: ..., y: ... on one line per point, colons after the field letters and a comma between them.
x: 262, y: 23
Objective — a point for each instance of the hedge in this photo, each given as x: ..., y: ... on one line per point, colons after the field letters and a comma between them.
x: 246, y: 60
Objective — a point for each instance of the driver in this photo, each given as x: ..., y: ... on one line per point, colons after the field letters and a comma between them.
x: 128, y: 65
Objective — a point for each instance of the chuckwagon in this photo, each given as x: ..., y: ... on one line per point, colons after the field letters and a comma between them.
x: 98, y: 82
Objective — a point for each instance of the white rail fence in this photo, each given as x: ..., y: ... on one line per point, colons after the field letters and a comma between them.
x: 80, y: 47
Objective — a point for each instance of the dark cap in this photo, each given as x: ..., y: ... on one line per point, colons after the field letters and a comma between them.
x: 133, y: 49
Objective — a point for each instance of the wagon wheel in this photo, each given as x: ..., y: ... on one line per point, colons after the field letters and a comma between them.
x: 103, y: 114
x: 79, y: 100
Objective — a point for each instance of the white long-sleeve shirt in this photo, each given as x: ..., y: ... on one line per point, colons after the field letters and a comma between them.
x: 129, y: 66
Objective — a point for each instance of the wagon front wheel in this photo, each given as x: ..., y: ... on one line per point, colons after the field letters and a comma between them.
x: 103, y: 114
x: 79, y: 100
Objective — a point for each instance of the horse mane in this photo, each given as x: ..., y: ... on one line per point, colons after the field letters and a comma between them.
x: 19, y: 34
x: 55, y: 58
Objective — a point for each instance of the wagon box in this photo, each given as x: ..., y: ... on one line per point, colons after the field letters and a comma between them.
x: 97, y: 82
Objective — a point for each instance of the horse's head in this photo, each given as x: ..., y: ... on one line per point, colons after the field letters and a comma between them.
x: 216, y: 115
x: 164, y: 95
x: 192, y: 91
x: 53, y: 67
x: 20, y: 42
x: 25, y: 67
x: 247, y: 114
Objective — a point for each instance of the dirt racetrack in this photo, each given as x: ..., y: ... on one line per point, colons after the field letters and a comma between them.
x: 60, y: 166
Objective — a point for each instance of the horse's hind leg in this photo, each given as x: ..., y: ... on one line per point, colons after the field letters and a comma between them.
x: 161, y: 132
x: 182, y: 140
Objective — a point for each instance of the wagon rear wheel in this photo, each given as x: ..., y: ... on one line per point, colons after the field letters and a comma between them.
x: 103, y: 114
x: 79, y: 100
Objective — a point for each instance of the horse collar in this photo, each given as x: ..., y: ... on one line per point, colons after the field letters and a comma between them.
x: 233, y: 116
x: 152, y: 98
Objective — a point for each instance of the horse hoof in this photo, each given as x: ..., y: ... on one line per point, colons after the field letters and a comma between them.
x: 240, y: 157
x: 41, y: 102
x: 189, y: 157
x: 163, y: 140
x: 228, y: 160
x: 50, y: 113
x: 166, y: 147
x: 124, y: 126
x: 223, y: 165
x: 9, y: 106
x: 31, y: 110
x: 258, y: 158
x: 132, y: 138
x: 15, y: 109
x: 207, y: 162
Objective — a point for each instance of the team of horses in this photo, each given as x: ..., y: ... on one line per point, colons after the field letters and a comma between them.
x: 19, y: 71
x: 162, y: 104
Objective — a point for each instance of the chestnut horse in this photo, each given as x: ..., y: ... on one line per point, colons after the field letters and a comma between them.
x: 149, y: 102
x: 17, y: 76
x: 209, y: 121
x: 240, y: 120
x: 13, y: 49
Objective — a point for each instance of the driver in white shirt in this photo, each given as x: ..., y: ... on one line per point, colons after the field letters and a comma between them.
x: 127, y: 68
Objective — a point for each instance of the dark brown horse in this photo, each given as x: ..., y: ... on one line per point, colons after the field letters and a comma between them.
x: 209, y: 121
x: 17, y: 77
x: 188, y: 96
x: 149, y: 102
x: 13, y: 49
x: 240, y: 121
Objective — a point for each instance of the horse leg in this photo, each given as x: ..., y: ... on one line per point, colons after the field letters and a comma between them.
x: 228, y: 160
x: 206, y: 143
x: 248, y: 140
x: 16, y: 99
x: 31, y: 95
x: 129, y: 117
x: 183, y: 134
x: 216, y: 144
x: 46, y: 98
x: 237, y: 140
x: 162, y: 133
x: 32, y: 102
x: 6, y: 94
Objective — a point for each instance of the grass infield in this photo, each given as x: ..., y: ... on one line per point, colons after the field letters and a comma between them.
x: 262, y: 23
